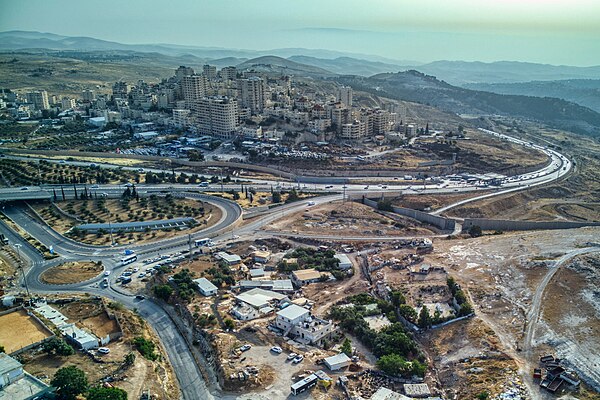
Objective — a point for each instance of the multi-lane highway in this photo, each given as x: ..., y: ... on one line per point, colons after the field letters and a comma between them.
x: 188, y: 374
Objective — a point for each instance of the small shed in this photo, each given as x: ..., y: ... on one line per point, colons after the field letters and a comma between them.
x: 418, y: 390
x: 206, y: 287
x: 344, y: 263
x: 336, y: 362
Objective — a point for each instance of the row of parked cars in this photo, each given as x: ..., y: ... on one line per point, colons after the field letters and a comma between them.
x: 293, y: 357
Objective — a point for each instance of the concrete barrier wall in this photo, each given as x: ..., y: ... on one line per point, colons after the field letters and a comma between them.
x: 505, y: 225
x: 440, y: 222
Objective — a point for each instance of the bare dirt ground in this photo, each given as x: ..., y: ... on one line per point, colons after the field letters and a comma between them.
x: 431, y: 202
x: 71, y: 272
x: 8, y: 269
x: 18, y: 330
x: 350, y: 218
x: 469, y: 360
x: 501, y: 274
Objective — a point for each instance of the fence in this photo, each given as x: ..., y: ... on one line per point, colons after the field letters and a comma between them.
x: 505, y: 225
x: 440, y: 222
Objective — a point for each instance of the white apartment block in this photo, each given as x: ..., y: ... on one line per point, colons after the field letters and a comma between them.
x: 209, y: 71
x: 344, y: 95
x: 354, y: 131
x: 39, y: 99
x: 298, y: 323
x: 228, y: 73
x: 251, y: 94
x: 181, y: 118
x: 217, y: 116
x: 193, y: 88
x: 183, y: 71
x: 67, y: 103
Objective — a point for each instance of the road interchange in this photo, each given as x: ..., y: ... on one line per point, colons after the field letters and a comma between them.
x: 188, y: 373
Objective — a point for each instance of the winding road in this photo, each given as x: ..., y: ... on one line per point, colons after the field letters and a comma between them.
x: 187, y: 372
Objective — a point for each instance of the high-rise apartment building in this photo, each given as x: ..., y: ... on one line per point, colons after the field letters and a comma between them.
x: 355, y: 130
x: 183, y: 71
x: 88, y: 95
x: 228, y: 73
x: 67, y: 103
x: 344, y: 95
x: 251, y: 94
x: 217, y: 116
x: 193, y: 88
x: 121, y: 90
x: 209, y: 71
x: 39, y: 99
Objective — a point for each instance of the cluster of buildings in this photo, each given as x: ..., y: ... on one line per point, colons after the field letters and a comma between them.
x: 223, y: 104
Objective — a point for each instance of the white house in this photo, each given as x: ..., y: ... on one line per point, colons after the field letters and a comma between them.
x: 206, y: 287
x: 297, y: 322
x: 79, y: 337
x: 10, y: 370
x: 336, y: 362
x: 230, y: 259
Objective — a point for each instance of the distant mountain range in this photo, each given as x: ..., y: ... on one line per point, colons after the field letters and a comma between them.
x: 418, y: 87
x: 585, y: 92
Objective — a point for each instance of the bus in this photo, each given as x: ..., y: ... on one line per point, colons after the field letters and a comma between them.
x: 204, y: 242
x: 128, y: 259
x: 304, y: 384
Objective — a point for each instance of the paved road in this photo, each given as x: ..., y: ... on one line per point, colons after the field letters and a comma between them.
x: 190, y: 378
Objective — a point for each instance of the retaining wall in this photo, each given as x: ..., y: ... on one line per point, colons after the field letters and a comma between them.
x: 505, y: 225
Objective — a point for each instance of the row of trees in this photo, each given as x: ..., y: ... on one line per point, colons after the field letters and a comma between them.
x: 71, y: 382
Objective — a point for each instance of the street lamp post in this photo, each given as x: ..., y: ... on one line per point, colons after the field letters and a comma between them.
x: 18, y: 247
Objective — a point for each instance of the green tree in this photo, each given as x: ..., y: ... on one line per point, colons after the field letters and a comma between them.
x: 106, y: 393
x: 57, y: 346
x: 424, y: 318
x: 129, y: 359
x: 2, y: 349
x: 69, y: 382
x: 475, y: 231
x: 229, y: 324
x: 276, y: 197
x: 347, y: 347
x: 163, y: 292
x: 393, y: 364
x: 483, y: 395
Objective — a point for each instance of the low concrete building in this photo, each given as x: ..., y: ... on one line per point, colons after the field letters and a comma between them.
x: 262, y: 257
x: 387, y: 394
x: 256, y: 273
x: 16, y: 383
x: 344, y: 263
x: 230, y: 259
x: 306, y: 276
x: 337, y: 362
x: 206, y: 287
x: 279, y: 285
x: 256, y: 303
x: 417, y: 390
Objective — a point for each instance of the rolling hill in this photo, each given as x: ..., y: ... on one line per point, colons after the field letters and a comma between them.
x: 279, y: 65
x: 426, y: 89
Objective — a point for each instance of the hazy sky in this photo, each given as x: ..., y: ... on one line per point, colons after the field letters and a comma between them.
x: 548, y: 31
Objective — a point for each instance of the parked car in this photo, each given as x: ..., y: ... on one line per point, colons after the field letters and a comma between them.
x: 291, y: 356
x: 106, y: 273
x: 246, y: 347
x: 140, y: 297
x: 103, y: 350
x: 276, y: 349
x: 298, y: 359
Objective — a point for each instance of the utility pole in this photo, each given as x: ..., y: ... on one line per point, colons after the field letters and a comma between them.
x: 112, y: 240
x: 190, y: 245
x: 18, y: 247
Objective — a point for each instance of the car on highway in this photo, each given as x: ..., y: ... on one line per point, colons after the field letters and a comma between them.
x: 103, y: 350
x: 24, y: 188
x: 140, y: 297
x: 276, y: 349
x: 329, y: 187
x: 291, y: 356
x: 310, y: 203
x: 95, y: 187
x: 106, y: 273
x: 298, y: 359
x: 367, y: 187
x: 245, y: 347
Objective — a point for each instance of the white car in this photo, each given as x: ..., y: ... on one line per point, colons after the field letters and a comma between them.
x: 103, y: 350
x: 298, y: 359
x: 291, y: 356
x: 276, y: 349
x: 106, y: 273
x: 310, y: 203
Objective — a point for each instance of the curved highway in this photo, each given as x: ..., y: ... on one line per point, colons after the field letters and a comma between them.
x: 188, y: 374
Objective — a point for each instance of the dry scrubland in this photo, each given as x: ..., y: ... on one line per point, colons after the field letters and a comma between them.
x: 71, y: 272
